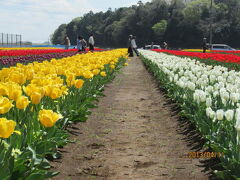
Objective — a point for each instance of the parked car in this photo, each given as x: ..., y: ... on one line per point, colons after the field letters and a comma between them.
x: 221, y: 47
x: 152, y: 47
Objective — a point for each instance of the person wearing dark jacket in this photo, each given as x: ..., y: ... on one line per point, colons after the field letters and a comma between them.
x: 204, y: 45
x: 130, y: 48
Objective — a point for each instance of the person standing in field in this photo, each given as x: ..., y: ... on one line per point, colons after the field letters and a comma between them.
x: 91, y: 43
x: 134, y: 45
x: 204, y: 45
x: 165, y: 45
x: 84, y: 44
x: 130, y: 49
x: 79, y: 44
x: 66, y: 42
x: 152, y: 45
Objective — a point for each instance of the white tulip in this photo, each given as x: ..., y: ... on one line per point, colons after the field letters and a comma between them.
x: 202, y: 96
x: 176, y: 78
x: 208, y: 110
x: 225, y: 96
x: 220, y: 79
x: 209, y: 102
x: 181, y: 84
x: 215, y: 94
x: 209, y: 89
x: 221, y: 85
x: 234, y: 97
x: 196, y: 96
x: 210, y: 113
x: 209, y: 67
x: 229, y: 114
x: 191, y: 86
x: 225, y: 75
x: 224, y: 102
x: 220, y: 114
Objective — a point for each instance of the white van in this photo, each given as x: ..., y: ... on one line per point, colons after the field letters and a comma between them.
x: 221, y: 47
x: 152, y: 47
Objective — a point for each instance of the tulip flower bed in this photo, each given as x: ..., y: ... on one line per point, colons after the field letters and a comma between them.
x: 209, y: 97
x: 213, y: 51
x: 27, y: 52
x: 231, y: 52
x: 208, y: 61
x: 195, y: 50
x: 13, y: 60
x: 26, y: 48
x: 227, y: 58
x: 7, y: 61
x: 37, y: 102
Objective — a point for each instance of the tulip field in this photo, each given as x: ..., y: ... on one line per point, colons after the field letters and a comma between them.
x: 209, y: 97
x: 43, y: 91
x: 12, y: 56
x: 40, y: 98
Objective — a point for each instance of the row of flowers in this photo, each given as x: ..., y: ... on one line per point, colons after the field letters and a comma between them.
x: 6, y: 61
x: 195, y: 50
x: 226, y: 58
x: 214, y: 51
x: 38, y: 100
x: 27, y: 52
x: 210, y: 97
x: 26, y: 48
x: 13, y: 60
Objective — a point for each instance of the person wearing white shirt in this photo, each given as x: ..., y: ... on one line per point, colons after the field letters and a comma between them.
x: 91, y: 43
x: 134, y: 45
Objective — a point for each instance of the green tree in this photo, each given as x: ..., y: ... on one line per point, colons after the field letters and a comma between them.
x: 59, y: 34
x: 160, y: 28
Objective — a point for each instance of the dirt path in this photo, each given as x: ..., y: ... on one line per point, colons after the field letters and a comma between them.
x: 133, y: 134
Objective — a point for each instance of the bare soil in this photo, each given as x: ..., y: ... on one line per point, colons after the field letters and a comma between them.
x: 135, y: 133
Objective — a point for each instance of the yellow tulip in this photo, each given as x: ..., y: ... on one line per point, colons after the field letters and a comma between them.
x: 96, y: 71
x: 64, y: 90
x: 71, y: 77
x: 14, y: 94
x: 48, y: 118
x: 22, y: 102
x: 36, y: 97
x: 18, y: 78
x: 103, y: 73
x: 88, y: 74
x: 55, y: 93
x: 47, y: 90
x: 5, y: 105
x: 29, y: 74
x: 79, y: 83
x: 6, y: 127
x: 3, y: 90
x: 112, y: 66
x: 31, y: 88
x: 125, y: 64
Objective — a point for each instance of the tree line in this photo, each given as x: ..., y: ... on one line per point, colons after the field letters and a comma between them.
x: 181, y: 23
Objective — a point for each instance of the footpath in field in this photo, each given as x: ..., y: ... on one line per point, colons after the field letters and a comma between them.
x: 133, y: 134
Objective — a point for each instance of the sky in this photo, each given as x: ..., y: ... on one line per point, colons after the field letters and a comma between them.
x: 35, y: 20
